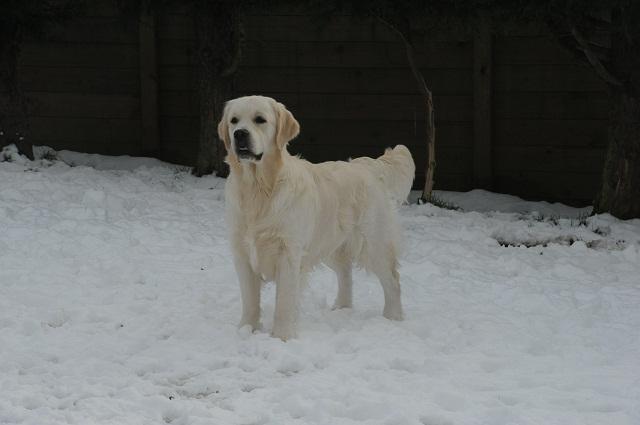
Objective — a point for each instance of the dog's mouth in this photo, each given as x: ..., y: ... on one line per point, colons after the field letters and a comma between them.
x: 244, y: 153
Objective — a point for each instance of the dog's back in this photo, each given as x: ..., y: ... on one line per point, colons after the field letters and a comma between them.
x: 395, y: 169
x: 367, y: 221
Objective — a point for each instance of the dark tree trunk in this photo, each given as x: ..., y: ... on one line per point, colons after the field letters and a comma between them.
x: 13, y: 104
x: 620, y: 190
x: 218, y: 37
x: 211, y: 152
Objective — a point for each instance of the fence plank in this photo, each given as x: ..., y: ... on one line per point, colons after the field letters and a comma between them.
x: 571, y: 188
x: 524, y: 132
x: 96, y: 135
x: 372, y: 132
x: 80, y: 80
x: 542, y: 50
x: 45, y: 104
x: 546, y: 78
x: 99, y: 130
x: 96, y: 30
x: 105, y: 56
x: 344, y: 54
x: 554, y: 105
x: 482, y: 105
x: 351, y: 80
x: 148, y: 81
x: 548, y: 159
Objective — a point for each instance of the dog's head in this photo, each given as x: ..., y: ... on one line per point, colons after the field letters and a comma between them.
x: 256, y: 126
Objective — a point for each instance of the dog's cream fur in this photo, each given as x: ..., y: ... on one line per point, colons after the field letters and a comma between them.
x: 287, y: 215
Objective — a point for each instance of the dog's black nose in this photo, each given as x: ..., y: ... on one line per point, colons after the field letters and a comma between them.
x: 242, y: 138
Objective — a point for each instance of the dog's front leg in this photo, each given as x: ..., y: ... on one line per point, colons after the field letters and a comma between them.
x: 250, y: 291
x: 287, y: 287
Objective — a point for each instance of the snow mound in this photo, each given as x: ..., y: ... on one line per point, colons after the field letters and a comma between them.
x: 10, y: 153
x: 101, y: 162
x: 484, y: 201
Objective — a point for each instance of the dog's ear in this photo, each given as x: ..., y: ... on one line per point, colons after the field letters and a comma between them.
x: 287, y: 127
x: 223, y: 129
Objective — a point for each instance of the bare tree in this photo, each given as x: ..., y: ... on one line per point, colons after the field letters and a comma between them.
x: 401, y: 26
x: 398, y: 16
x: 219, y: 37
x: 605, y: 36
x: 19, y: 20
x: 218, y: 50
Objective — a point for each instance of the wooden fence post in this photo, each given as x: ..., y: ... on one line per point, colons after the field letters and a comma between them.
x: 148, y: 81
x: 482, y: 105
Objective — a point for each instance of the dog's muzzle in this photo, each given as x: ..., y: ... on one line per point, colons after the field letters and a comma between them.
x: 243, y: 145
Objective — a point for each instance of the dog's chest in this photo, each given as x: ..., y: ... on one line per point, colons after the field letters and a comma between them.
x: 263, y: 250
x: 251, y: 245
x: 261, y: 235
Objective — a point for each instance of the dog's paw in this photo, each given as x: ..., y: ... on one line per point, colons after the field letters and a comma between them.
x: 251, y: 325
x: 341, y: 305
x: 393, y: 314
x: 283, y: 332
x: 245, y: 331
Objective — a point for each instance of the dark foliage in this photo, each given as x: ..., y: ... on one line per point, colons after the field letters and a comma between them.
x: 20, y: 20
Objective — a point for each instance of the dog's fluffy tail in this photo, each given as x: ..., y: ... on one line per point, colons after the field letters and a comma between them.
x: 395, y: 169
x: 398, y: 172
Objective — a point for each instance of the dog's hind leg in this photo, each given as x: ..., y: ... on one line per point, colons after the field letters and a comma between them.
x: 342, y: 265
x: 344, y: 299
x: 387, y: 272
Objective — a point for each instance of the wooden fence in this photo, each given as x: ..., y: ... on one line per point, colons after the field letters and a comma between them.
x: 515, y: 113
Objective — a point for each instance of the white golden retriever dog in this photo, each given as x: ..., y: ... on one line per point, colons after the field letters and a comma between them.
x: 287, y: 215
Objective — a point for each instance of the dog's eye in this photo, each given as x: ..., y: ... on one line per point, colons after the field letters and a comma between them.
x: 259, y: 120
x: 234, y: 120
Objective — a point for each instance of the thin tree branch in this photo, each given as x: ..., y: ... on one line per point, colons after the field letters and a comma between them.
x: 237, y: 53
x: 601, y: 52
x: 431, y: 128
x: 593, y: 59
x: 599, y: 23
x: 422, y: 85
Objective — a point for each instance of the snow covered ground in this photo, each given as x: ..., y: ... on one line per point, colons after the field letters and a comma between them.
x: 118, y: 305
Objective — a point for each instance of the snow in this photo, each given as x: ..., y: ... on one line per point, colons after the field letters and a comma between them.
x: 119, y: 303
x: 101, y: 162
x: 10, y: 153
x: 483, y: 201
